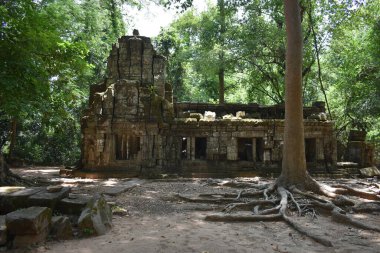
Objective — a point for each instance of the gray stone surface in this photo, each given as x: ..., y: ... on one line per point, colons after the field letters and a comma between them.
x: 73, y: 204
x: 96, y: 218
x: 23, y: 241
x: 54, y: 188
x: 370, y: 171
x: 123, y: 187
x: 19, y: 199
x: 28, y: 221
x: 3, y: 231
x: 48, y: 199
x: 61, y: 228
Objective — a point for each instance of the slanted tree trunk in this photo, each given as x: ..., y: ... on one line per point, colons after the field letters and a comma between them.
x: 294, y: 161
x: 4, y: 170
x: 13, y: 136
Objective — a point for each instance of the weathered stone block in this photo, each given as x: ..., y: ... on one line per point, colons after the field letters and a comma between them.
x: 48, y: 199
x: 17, y: 200
x: 61, y: 228
x: 135, y: 70
x: 3, y: 231
x: 28, y: 221
x: 23, y: 241
x: 96, y: 218
x: 74, y: 204
x: 370, y: 171
x: 158, y: 65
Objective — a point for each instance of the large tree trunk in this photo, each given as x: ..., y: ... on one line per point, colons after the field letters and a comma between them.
x: 13, y: 136
x: 294, y: 161
x: 221, y: 85
x: 4, y: 170
x: 222, y: 16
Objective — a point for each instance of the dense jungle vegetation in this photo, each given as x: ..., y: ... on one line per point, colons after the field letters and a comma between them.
x: 51, y: 51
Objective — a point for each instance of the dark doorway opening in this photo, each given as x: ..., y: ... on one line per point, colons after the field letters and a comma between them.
x: 200, y: 147
x: 310, y: 150
x: 184, y: 148
x: 245, y: 149
x: 259, y: 149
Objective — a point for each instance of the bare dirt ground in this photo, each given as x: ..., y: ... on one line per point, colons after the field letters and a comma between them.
x: 157, y: 221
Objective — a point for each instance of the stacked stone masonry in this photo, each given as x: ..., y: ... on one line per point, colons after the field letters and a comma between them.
x: 132, y: 125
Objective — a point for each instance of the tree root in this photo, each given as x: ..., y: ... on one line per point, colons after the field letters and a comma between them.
x: 242, y: 218
x: 247, y: 206
x: 210, y: 200
x: 284, y: 200
x: 343, y: 218
x: 306, y: 232
x: 346, y: 190
x: 241, y: 194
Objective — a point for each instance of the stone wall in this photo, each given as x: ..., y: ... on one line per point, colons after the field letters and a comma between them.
x: 132, y: 125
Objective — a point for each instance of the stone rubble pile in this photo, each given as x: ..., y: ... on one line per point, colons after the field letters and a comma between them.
x: 26, y: 215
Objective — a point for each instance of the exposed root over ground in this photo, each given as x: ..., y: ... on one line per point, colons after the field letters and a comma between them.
x: 8, y: 178
x: 278, y: 202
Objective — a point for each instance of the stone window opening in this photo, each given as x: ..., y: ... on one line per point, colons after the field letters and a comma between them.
x: 126, y: 147
x: 200, y: 148
x: 310, y: 150
x: 183, y: 148
x: 259, y: 149
x: 245, y: 149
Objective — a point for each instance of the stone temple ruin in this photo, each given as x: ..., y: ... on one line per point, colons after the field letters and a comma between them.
x: 133, y: 126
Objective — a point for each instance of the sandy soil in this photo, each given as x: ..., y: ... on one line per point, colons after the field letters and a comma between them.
x: 157, y: 221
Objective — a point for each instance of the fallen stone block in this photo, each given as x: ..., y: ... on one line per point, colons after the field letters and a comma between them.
x: 3, y: 231
x: 61, y: 228
x: 5, y: 190
x: 96, y: 218
x: 370, y: 171
x: 17, y: 199
x: 23, y: 241
x: 28, y: 221
x: 5, y: 203
x: 73, y: 204
x: 48, y: 199
x: 54, y: 188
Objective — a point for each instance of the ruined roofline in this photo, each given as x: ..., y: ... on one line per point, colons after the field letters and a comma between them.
x: 317, y: 104
x: 253, y: 109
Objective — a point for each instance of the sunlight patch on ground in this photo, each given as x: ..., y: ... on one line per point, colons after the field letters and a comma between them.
x: 10, y: 189
x: 74, y: 180
x: 111, y: 182
x: 43, y: 171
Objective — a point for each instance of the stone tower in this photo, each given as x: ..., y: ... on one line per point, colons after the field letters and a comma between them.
x: 133, y: 94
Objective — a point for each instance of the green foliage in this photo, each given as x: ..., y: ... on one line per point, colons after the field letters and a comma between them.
x: 50, y: 52
x: 253, y: 48
x: 354, y: 71
x: 196, y: 52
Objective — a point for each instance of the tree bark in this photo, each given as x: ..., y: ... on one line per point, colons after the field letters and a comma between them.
x: 294, y: 161
x: 221, y: 85
x: 13, y: 136
x: 4, y: 170
x: 222, y: 16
